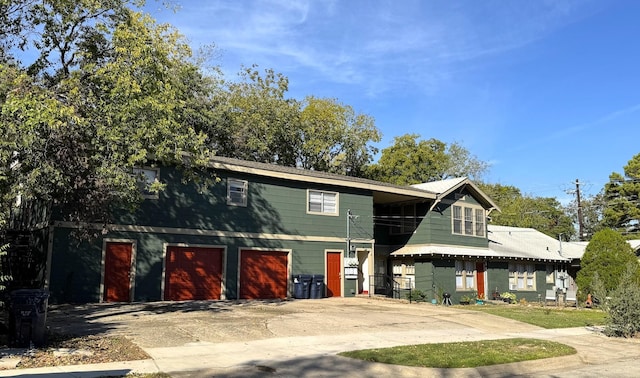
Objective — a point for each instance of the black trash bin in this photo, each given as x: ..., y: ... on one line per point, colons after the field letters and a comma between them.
x: 317, y: 286
x: 302, y: 286
x: 28, y: 317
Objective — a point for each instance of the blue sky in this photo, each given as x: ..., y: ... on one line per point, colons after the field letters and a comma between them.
x: 547, y: 92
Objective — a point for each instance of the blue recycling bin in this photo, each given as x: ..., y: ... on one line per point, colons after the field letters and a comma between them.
x: 302, y: 286
x: 27, y: 317
x: 317, y: 286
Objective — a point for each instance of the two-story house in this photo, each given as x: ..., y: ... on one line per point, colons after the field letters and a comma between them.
x: 246, y: 236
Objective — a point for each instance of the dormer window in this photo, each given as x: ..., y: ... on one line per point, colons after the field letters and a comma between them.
x: 467, y: 220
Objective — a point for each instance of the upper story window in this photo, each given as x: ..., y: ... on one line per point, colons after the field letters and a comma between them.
x: 468, y: 220
x: 237, y: 192
x: 319, y: 202
x: 145, y: 178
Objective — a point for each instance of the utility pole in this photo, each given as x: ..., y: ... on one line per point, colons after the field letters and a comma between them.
x: 580, y: 223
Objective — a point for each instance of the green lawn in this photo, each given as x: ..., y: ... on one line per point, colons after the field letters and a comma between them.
x: 546, y: 317
x: 464, y: 354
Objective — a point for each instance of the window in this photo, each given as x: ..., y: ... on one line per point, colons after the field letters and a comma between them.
x: 145, y: 178
x: 468, y: 221
x: 473, y: 222
x: 322, y: 202
x: 522, y: 277
x: 465, y: 275
x: 404, y: 273
x: 550, y: 274
x: 403, y: 219
x: 457, y: 219
x: 479, y: 222
x: 237, y: 192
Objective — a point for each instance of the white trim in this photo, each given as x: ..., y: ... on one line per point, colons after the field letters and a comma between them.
x: 408, y: 191
x: 132, y: 271
x: 200, y: 232
x: 289, y: 253
x: 165, y: 246
x: 341, y: 273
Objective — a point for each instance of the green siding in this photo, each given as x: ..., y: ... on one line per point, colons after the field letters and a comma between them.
x: 273, y: 206
x: 425, y: 278
x: 434, y: 227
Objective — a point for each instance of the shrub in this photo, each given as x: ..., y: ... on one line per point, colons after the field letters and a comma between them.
x: 509, y: 295
x: 623, y: 307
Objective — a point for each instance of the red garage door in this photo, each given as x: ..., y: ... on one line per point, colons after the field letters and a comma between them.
x: 263, y: 274
x: 193, y: 273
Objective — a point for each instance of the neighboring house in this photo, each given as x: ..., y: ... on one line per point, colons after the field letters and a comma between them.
x: 454, y: 251
x: 248, y: 235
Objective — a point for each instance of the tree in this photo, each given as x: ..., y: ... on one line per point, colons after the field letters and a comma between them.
x: 334, y: 138
x: 107, y: 91
x: 622, y: 198
x: 544, y: 214
x: 412, y: 161
x: 608, y: 256
x: 254, y: 120
x: 592, y: 213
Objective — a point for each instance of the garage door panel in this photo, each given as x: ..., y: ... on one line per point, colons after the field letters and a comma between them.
x: 263, y: 275
x: 193, y: 273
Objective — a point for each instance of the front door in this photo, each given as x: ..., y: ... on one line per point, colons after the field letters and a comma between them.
x: 334, y: 274
x: 480, y: 279
x: 117, y: 271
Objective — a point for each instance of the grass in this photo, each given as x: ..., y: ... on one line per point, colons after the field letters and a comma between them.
x: 464, y: 354
x: 546, y: 317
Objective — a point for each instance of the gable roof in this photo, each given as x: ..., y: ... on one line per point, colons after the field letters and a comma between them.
x: 388, y: 192
x: 443, y: 188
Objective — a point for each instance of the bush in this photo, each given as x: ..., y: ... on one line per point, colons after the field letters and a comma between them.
x: 416, y: 295
x: 623, y: 307
x: 508, y: 295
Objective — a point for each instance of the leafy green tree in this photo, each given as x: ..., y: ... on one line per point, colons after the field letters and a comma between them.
x: 254, y: 120
x: 608, y: 256
x: 622, y: 197
x: 335, y: 138
x: 411, y: 160
x: 107, y: 91
x: 541, y: 213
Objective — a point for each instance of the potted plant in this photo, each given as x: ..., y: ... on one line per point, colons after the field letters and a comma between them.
x: 480, y: 299
x: 508, y: 297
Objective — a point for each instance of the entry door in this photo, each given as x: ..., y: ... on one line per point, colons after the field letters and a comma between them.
x: 117, y: 271
x: 480, y: 278
x: 334, y: 274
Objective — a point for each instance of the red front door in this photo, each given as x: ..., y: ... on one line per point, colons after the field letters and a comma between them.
x: 117, y: 272
x: 334, y: 274
x: 480, y: 279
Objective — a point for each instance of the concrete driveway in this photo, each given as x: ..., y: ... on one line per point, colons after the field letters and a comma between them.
x: 302, y: 337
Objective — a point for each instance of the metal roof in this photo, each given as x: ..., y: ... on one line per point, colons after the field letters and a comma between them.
x: 513, y: 243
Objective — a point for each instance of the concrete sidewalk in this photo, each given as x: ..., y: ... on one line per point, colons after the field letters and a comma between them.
x: 302, y: 339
